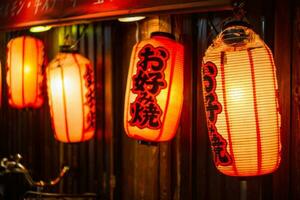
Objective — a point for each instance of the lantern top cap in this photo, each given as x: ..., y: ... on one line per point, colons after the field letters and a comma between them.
x: 235, y: 38
x: 236, y: 23
x: 163, y: 34
x: 26, y: 37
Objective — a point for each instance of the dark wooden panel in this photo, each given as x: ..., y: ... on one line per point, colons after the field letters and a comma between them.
x: 282, y: 52
x: 126, y: 148
x: 186, y: 123
x: 29, y: 132
x: 201, y: 139
x: 295, y: 104
x: 109, y: 116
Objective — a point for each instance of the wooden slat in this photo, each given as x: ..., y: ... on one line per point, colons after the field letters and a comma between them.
x: 108, y: 109
x: 282, y: 53
x: 99, y: 135
x: 127, y: 151
x: 164, y: 157
x: 295, y: 105
x: 90, y: 33
x: 202, y: 141
x: 186, y: 122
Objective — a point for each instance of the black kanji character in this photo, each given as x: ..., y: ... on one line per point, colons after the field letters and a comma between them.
x: 135, y: 111
x: 139, y: 81
x: 157, y: 83
x: 208, y: 83
x: 151, y: 115
x: 91, y: 119
x: 145, y: 98
x: 213, y: 107
x: 88, y: 76
x: 148, y: 57
x: 211, y: 128
x: 218, y: 145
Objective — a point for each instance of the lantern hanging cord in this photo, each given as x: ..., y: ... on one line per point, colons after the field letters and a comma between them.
x: 79, y: 38
x: 238, y: 9
x: 239, y: 15
x: 212, y: 26
x: 243, y: 190
x: 137, y: 32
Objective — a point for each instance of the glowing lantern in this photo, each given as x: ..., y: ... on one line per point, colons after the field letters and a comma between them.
x: 241, y: 101
x: 25, y: 57
x: 70, y: 86
x: 154, y: 92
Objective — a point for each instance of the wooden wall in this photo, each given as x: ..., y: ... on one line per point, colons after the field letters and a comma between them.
x: 29, y: 132
x: 117, y: 167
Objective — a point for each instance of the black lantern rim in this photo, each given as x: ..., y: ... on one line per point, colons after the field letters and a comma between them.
x: 163, y: 34
x: 236, y: 23
x: 67, y: 49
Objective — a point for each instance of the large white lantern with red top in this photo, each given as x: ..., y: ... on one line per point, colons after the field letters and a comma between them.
x: 241, y: 101
x: 70, y: 86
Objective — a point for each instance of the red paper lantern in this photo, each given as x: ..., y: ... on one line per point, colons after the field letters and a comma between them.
x: 70, y: 86
x: 25, y: 57
x: 154, y: 92
x: 241, y: 100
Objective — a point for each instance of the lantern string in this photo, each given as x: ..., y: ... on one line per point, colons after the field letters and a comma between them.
x: 137, y: 32
x: 243, y: 190
x: 80, y: 36
x: 68, y: 39
x: 238, y: 9
x: 212, y: 26
x: 239, y: 14
x: 177, y: 29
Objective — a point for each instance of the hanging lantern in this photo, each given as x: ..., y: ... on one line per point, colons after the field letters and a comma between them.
x: 25, y: 57
x: 241, y: 101
x: 154, y: 92
x: 70, y: 86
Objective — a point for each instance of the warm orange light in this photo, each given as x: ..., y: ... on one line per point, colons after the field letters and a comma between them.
x: 70, y: 85
x: 131, y: 19
x: 25, y: 57
x: 241, y: 100
x: 154, y: 92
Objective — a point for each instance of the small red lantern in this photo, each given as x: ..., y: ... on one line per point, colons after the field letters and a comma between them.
x: 154, y: 92
x: 25, y: 57
x: 241, y: 100
x: 70, y: 85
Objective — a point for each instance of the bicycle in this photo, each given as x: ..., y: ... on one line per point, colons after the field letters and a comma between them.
x: 12, y: 165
